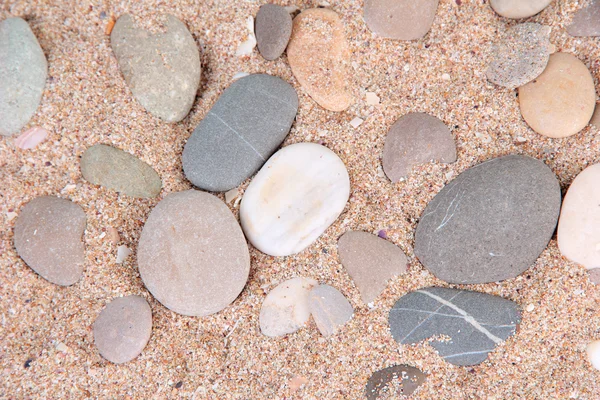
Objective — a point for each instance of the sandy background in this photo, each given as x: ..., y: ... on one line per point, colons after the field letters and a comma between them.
x: 86, y: 101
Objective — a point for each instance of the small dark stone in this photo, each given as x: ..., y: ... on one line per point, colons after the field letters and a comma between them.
x: 28, y: 363
x: 273, y: 30
x: 178, y: 384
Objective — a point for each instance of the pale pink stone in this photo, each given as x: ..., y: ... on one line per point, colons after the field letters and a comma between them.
x: 31, y: 138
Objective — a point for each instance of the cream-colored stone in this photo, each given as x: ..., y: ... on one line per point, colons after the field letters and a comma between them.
x: 400, y: 19
x: 519, y: 8
x: 593, y: 353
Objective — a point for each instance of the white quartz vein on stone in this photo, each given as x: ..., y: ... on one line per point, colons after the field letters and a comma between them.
x: 236, y: 132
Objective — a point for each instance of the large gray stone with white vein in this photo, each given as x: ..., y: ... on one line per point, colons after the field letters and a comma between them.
x: 475, y: 322
x: 240, y: 132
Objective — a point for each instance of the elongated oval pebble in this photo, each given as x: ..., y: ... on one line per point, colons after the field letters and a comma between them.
x: 329, y: 308
x: 273, y: 29
x: 400, y: 19
x: 519, y: 8
x: 31, y: 138
x: 294, y: 198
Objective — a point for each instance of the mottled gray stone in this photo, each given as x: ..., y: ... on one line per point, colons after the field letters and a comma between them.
x: 240, y: 132
x: 586, y: 21
x: 123, y: 329
x: 117, y: 170
x: 23, y: 73
x: 414, y: 139
x: 162, y: 70
x: 474, y: 322
x: 411, y: 378
x: 192, y: 254
x: 370, y: 261
x: 490, y: 223
x: 400, y: 19
x: 329, y: 308
x: 273, y: 28
x: 48, y: 237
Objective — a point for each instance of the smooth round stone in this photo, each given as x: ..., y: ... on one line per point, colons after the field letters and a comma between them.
x: 192, y: 254
x: 48, y: 237
x: 162, y: 70
x: 120, y: 171
x: 294, y: 198
x: 329, y: 309
x: 519, y: 8
x: 414, y: 139
x: 319, y: 55
x: 123, y: 329
x: 561, y: 101
x: 273, y: 28
x: 521, y: 57
x: 285, y: 309
x: 23, y: 73
x: 240, y: 132
x: 586, y: 21
x: 400, y: 19
x: 490, y: 223
x: 579, y: 224
x: 593, y: 353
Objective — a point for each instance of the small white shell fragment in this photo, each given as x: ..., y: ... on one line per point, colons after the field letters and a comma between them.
x: 11, y: 215
x: 530, y: 307
x: 245, y: 48
x: 372, y: 99
x: 446, y: 77
x: 31, y: 138
x: 60, y: 346
x: 356, y: 122
x: 122, y: 253
x: 593, y: 353
x: 521, y: 139
x: 231, y: 195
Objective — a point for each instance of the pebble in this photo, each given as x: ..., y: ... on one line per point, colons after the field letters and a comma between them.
x: 372, y: 99
x: 246, y: 47
x: 410, y: 379
x: 413, y: 139
x: 122, y: 253
x: 319, y: 55
x: 517, y: 9
x: 475, y: 322
x: 579, y: 224
x: 31, y: 138
x: 490, y: 223
x: 561, y: 101
x: 286, y: 309
x: 273, y: 29
x: 123, y: 329
x: 593, y: 353
x: 521, y: 57
x: 594, y: 275
x: 371, y: 262
x: 120, y: 171
x: 329, y: 309
x: 294, y: 198
x: 23, y: 73
x: 48, y: 237
x: 162, y: 70
x: 400, y: 19
x: 595, y: 121
x: 246, y: 125
x: 586, y: 22
x: 192, y: 255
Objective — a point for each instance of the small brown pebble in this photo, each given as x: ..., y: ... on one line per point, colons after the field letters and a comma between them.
x: 109, y: 25
x: 113, y: 235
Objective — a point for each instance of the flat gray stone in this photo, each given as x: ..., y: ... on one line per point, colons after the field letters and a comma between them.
x: 413, y: 139
x: 123, y: 329
x: 410, y: 379
x: 371, y: 262
x: 23, y: 73
x: 273, y: 28
x: 48, y: 237
x: 475, y: 322
x: 586, y: 21
x: 240, y: 132
x: 329, y: 309
x: 400, y: 19
x: 120, y: 171
x: 162, y: 70
x: 490, y: 223
x: 192, y: 254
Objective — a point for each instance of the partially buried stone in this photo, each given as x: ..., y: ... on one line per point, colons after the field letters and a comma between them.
x: 192, y: 255
x: 162, y: 70
x: 400, y: 19
x: 517, y: 9
x: 594, y: 275
x: 329, y: 308
x: 410, y: 379
x: 490, y: 223
x: 48, y: 237
x: 586, y: 21
x: 120, y: 171
x: 521, y: 56
x: 370, y: 261
x: 285, y: 309
x: 240, y: 132
x: 294, y: 198
x: 414, y: 139
x: 273, y: 28
x: 23, y: 73
x: 474, y: 322
x: 319, y: 56
x: 561, y: 101
x: 123, y: 329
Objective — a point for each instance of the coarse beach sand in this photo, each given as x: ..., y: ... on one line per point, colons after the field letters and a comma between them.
x: 46, y: 343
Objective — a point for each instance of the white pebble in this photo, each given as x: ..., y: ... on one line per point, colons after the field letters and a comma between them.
x: 446, y: 77
x: 122, y: 253
x: 356, y: 122
x: 231, y: 195
x: 593, y: 353
x: 530, y: 308
x: 11, y: 215
x: 406, y: 67
x: 245, y: 48
x: 372, y: 99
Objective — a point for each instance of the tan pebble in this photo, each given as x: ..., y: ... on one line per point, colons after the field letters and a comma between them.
x: 400, y: 19
x: 109, y: 25
x: 297, y: 382
x: 561, y: 101
x: 319, y: 54
x: 113, y: 235
x: 519, y: 8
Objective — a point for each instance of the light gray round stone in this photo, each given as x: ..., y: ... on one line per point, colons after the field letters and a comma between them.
x: 273, y: 28
x: 23, y: 73
x: 329, y: 309
x: 240, y: 132
x: 123, y: 329
x: 192, y: 254
x: 490, y: 223
x: 400, y: 19
x: 586, y: 22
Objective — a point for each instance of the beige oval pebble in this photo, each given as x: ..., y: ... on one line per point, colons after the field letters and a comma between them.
x: 329, y: 308
x: 400, y: 19
x: 519, y: 8
x: 319, y: 55
x: 593, y: 353
x: 561, y: 101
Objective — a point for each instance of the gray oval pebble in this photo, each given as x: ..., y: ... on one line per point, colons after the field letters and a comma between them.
x: 329, y: 308
x: 273, y: 28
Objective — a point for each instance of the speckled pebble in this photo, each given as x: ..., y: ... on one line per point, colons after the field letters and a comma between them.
x: 273, y: 28
x: 410, y: 377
